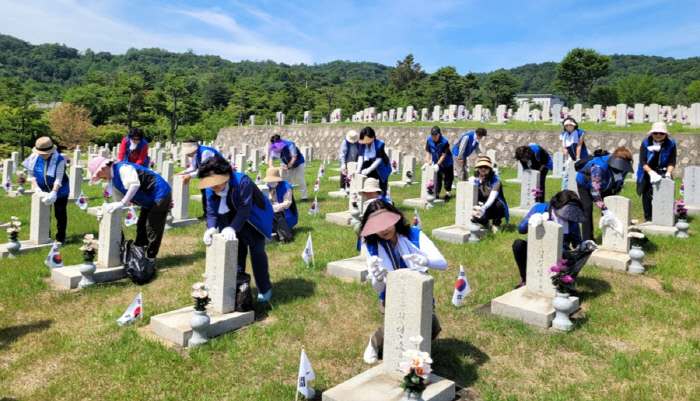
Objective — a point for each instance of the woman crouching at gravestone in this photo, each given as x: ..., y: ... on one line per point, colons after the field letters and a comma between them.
x: 600, y: 177
x: 46, y: 170
x: 238, y: 209
x: 535, y: 157
x: 393, y: 244
x: 349, y: 152
x: 281, y: 197
x: 490, y: 189
x: 657, y: 157
x: 129, y: 182
x: 373, y: 161
x: 566, y: 209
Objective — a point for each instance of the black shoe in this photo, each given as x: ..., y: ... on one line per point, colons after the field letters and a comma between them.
x: 304, y: 200
x: 447, y: 198
x: 522, y: 284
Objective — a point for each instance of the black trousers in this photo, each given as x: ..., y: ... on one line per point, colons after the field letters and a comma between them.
x: 587, y: 202
x: 59, y: 211
x: 543, y: 185
x: 204, y: 202
x: 151, y: 226
x: 448, y: 175
x: 520, y: 255
x: 496, y: 212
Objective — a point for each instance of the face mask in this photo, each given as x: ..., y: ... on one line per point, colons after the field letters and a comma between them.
x: 133, y: 146
x: 272, y: 184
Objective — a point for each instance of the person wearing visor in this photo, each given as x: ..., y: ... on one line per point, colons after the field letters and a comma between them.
x: 198, y: 154
x: 238, y: 209
x: 439, y: 157
x: 393, y: 244
x: 46, y: 171
x: 292, y: 162
x: 130, y: 182
x: 566, y: 209
x: 657, y: 159
x: 373, y: 161
x: 600, y: 177
x: 281, y: 197
x: 493, y: 203
x: 535, y: 157
x: 573, y: 140
x: 349, y: 152
x: 465, y: 146
x: 134, y: 148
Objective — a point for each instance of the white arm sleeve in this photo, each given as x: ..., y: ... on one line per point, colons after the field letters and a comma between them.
x: 491, y: 199
x: 374, y: 164
x: 435, y: 259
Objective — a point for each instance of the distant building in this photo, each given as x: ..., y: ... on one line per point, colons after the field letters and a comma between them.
x: 544, y: 100
x: 49, y: 106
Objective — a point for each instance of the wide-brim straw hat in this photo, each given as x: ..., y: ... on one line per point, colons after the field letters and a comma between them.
x: 366, y: 140
x: 352, y: 136
x: 572, y: 212
x: 44, y: 146
x: 95, y: 166
x: 379, y: 221
x: 659, y: 126
x: 371, y: 185
x: 272, y: 175
x: 188, y: 147
x: 213, y: 180
x: 483, y: 161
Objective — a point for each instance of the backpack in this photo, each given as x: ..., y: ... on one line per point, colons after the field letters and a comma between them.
x: 244, y: 295
x: 581, y: 163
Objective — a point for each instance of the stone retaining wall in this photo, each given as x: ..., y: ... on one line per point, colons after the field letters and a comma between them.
x: 326, y: 140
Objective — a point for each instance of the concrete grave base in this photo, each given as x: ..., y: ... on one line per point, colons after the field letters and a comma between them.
x: 184, y: 222
x: 402, y: 184
x: 532, y: 309
x: 198, y: 198
x: 16, y: 194
x: 611, y: 259
x: 338, y: 194
x: 422, y: 203
x: 454, y: 234
x: 693, y: 209
x: 514, y: 181
x: 175, y: 325
x: 352, y: 268
x: 334, y: 178
x: 69, y: 276
x: 518, y: 211
x: 342, y: 218
x: 375, y: 384
x: 651, y: 228
x: 93, y: 210
x: 27, y: 246
x: 551, y: 177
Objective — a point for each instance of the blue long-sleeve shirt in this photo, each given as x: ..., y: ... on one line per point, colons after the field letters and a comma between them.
x: 572, y: 239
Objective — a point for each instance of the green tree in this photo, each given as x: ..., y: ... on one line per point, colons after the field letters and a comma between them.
x: 501, y: 88
x: 447, y: 85
x: 406, y: 74
x: 578, y: 72
x: 692, y: 92
x: 471, y: 87
x: 637, y: 88
x: 128, y: 99
x: 604, y: 96
x: 176, y: 101
x: 215, y: 92
x: 20, y: 121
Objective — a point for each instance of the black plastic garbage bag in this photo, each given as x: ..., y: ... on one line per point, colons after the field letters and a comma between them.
x: 137, y: 266
x: 577, y: 258
x: 280, y: 226
x: 244, y: 294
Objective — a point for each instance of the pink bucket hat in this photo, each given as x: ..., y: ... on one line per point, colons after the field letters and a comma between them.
x: 96, y: 165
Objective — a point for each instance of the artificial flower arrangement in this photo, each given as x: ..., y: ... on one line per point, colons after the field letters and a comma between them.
x: 537, y: 192
x: 13, y: 228
x: 680, y: 210
x: 89, y: 248
x: 417, y: 368
x: 635, y: 234
x: 201, y: 296
x: 430, y: 187
x: 20, y: 178
x: 561, y: 278
x: 394, y: 165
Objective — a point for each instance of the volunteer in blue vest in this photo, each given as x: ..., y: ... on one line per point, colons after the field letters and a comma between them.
x: 292, y: 162
x: 535, y: 157
x: 566, y: 209
x: 349, y: 152
x: 465, y: 146
x: 134, y: 148
x: 281, y: 197
x: 439, y: 156
x: 600, y: 177
x: 657, y: 159
x: 373, y: 161
x: 238, y: 209
x: 46, y: 171
x: 490, y: 194
x: 198, y: 154
x: 129, y: 182
x: 393, y: 244
x: 573, y: 140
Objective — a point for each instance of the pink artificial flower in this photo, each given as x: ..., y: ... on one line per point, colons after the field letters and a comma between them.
x: 554, y: 269
x: 567, y: 279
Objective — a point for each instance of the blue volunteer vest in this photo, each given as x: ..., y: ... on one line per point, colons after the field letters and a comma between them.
x: 152, y: 186
x: 384, y: 168
x: 584, y: 176
x: 291, y: 216
x: 138, y: 149
x: 260, y: 215
x: 663, y: 157
x: 286, y: 155
x: 202, y: 148
x: 46, y: 182
x: 536, y: 148
x: 347, y: 145
x: 435, y: 147
x: 572, y: 148
x: 396, y: 259
x: 471, y: 145
x: 501, y: 197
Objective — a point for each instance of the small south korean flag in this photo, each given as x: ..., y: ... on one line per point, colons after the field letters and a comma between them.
x: 308, y: 251
x: 131, y: 218
x: 132, y: 312
x: 317, y: 185
x: 416, y: 219
x: 461, y: 288
x: 8, y: 186
x: 54, y: 259
x: 258, y: 179
x: 306, y: 374
x: 82, y: 201
x: 314, y: 206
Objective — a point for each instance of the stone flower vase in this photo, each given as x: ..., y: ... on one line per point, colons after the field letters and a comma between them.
x: 199, y: 322
x: 562, y: 305
x: 13, y: 246
x: 636, y: 255
x: 682, y: 226
x: 87, y: 269
x: 430, y: 198
x: 474, y: 230
x: 355, y: 213
x: 20, y: 190
x: 169, y: 220
x: 412, y: 397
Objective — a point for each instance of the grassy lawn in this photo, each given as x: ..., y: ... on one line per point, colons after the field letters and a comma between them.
x: 638, y: 337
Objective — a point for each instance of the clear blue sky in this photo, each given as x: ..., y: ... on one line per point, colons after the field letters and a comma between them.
x: 478, y: 36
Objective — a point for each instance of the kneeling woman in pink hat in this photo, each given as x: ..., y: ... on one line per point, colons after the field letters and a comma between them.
x: 393, y: 244
x: 129, y: 182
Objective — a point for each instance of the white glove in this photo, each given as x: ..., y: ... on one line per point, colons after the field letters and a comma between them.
x: 536, y: 220
x: 436, y: 168
x: 376, y: 270
x: 344, y: 169
x: 365, y: 171
x: 654, y: 177
x: 420, y: 260
x: 111, y: 207
x: 425, y: 166
x: 588, y: 245
x: 482, y: 211
x: 38, y: 190
x: 100, y: 213
x: 229, y: 234
x: 610, y: 220
x: 50, y: 198
x: 208, y: 236
x: 668, y: 175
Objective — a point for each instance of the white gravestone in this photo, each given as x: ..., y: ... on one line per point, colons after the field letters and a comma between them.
x: 613, y: 252
x: 638, y: 113
x: 241, y: 163
x: 557, y: 165
x: 467, y: 198
x: 181, y: 203
x: 621, y: 115
x: 167, y: 172
x: 691, y: 192
x: 662, y: 207
x: 529, y: 182
x: 76, y: 180
x: 255, y: 158
x: 8, y: 167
